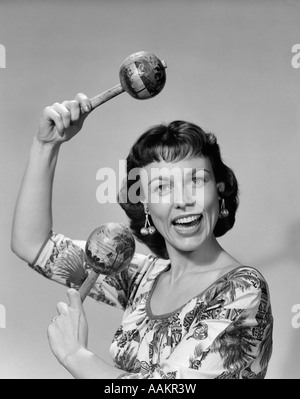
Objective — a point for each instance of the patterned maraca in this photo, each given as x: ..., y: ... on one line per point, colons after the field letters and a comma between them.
x: 109, y: 250
x: 142, y: 75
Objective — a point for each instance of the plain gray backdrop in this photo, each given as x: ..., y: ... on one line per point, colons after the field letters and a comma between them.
x: 229, y: 70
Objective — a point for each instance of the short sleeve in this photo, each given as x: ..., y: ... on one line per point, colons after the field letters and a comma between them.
x: 228, y: 334
x: 64, y: 261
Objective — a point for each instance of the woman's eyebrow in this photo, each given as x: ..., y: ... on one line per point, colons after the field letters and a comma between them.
x: 159, y: 178
x: 195, y: 170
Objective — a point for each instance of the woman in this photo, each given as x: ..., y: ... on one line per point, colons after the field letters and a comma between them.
x: 190, y: 309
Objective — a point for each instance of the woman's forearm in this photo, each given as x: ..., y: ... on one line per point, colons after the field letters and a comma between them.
x: 33, y: 213
x: 32, y: 220
x: 86, y: 365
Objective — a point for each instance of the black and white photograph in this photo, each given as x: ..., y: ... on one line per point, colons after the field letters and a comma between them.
x: 150, y: 221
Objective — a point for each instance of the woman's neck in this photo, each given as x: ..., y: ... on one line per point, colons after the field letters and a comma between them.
x: 205, y: 258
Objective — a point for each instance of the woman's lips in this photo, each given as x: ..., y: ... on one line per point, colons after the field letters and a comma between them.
x: 189, y: 225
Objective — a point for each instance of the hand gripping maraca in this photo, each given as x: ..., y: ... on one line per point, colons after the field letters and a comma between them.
x: 109, y: 250
x: 142, y: 75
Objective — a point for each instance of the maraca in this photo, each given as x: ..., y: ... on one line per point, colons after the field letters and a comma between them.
x: 109, y: 250
x: 142, y: 75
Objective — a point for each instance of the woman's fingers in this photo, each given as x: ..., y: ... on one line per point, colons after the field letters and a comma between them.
x: 75, y: 299
x: 74, y: 109
x: 64, y: 113
x: 62, y: 308
x: 84, y: 102
x: 74, y: 302
x: 64, y: 118
x: 54, y: 117
x: 70, y: 111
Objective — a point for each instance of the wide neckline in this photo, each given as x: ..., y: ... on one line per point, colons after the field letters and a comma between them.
x: 154, y: 316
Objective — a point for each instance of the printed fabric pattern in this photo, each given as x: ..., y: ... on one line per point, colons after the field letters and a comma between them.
x: 224, y: 332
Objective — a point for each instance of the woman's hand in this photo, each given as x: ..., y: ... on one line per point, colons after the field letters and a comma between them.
x: 68, y: 333
x: 60, y: 122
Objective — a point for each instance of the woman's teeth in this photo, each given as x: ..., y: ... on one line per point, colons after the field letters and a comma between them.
x: 188, y: 219
x: 188, y: 223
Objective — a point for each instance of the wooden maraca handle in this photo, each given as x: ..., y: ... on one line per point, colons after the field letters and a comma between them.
x: 106, y: 95
x: 87, y: 285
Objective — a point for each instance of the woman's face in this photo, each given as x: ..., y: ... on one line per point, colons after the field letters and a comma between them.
x: 182, y: 197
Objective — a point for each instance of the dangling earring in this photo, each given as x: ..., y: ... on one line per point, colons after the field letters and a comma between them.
x: 147, y: 229
x: 223, y: 212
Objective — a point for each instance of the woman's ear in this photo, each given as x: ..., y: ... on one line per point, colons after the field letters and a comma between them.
x: 220, y: 187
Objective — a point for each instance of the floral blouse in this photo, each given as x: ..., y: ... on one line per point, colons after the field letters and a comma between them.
x: 224, y: 332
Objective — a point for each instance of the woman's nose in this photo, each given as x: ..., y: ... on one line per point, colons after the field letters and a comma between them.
x: 183, y: 198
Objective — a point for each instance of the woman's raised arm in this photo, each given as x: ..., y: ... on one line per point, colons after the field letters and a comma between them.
x: 32, y: 222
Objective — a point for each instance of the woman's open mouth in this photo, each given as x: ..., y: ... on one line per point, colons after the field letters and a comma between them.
x: 188, y: 224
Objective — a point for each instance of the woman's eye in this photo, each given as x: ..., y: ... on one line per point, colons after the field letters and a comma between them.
x: 198, y: 181
x: 163, y: 188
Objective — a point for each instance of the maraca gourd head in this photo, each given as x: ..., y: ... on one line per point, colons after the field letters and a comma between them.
x: 142, y: 75
x: 110, y: 248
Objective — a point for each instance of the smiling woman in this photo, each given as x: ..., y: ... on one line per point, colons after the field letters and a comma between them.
x: 191, y: 310
x: 182, y: 174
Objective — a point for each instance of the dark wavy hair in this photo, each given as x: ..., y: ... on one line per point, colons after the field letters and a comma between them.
x: 173, y: 142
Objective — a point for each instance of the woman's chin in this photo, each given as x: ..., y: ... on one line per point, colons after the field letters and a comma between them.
x: 188, y: 244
